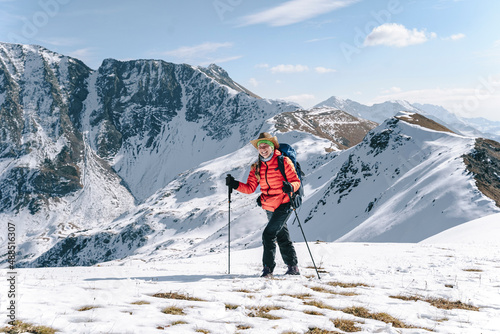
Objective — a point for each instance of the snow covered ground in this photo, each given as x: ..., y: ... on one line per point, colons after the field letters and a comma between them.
x: 118, y: 297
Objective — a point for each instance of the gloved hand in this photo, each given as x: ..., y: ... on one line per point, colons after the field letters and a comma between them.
x: 231, y: 182
x: 287, y: 187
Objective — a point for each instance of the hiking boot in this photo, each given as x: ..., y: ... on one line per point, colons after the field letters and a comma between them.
x: 292, y: 270
x: 267, y: 272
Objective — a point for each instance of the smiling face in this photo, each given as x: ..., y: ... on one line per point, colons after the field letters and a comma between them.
x: 265, y: 150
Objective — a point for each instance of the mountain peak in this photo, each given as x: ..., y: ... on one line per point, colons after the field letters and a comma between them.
x: 342, y: 129
x: 218, y: 74
x: 421, y: 120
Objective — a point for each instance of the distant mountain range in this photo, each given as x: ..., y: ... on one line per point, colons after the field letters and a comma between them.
x: 129, y: 160
x: 473, y: 127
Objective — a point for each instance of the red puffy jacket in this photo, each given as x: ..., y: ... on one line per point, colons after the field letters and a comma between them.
x: 271, y: 182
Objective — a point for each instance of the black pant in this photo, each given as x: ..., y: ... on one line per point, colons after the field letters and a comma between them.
x: 277, y: 231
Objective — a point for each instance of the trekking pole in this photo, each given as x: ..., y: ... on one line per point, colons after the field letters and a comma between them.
x: 303, y: 234
x: 229, y: 190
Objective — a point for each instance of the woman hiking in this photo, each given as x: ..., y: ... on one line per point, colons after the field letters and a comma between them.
x: 274, y: 199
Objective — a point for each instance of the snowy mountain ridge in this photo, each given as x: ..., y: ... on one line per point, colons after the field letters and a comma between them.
x: 129, y: 161
x: 392, y: 187
x: 474, y: 127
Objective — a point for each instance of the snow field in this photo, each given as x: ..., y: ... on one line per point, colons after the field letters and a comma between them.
x: 117, y: 297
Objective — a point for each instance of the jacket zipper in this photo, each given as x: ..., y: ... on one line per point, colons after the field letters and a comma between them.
x: 268, y: 185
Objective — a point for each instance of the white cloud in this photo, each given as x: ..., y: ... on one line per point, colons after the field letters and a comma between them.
x: 87, y: 55
x: 253, y: 82
x: 323, y: 70
x: 197, y: 51
x: 61, y: 41
x: 392, y: 90
x: 314, y: 40
x: 81, y: 53
x: 302, y: 99
x: 482, y: 99
x: 295, y: 11
x: 201, y: 54
x: 393, y: 34
x: 262, y: 66
x: 455, y: 37
x: 289, y: 69
x: 218, y: 60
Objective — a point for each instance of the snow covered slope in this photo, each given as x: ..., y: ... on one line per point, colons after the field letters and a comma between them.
x: 403, y: 183
x: 189, y: 215
x: 377, y: 288
x: 481, y: 231
x: 392, y: 187
x: 78, y: 147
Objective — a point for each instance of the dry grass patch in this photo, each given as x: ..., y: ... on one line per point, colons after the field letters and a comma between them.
x: 323, y: 290
x: 321, y: 270
x: 179, y: 322
x: 175, y: 295
x: 243, y: 327
x: 173, y: 310
x: 320, y: 304
x: 316, y: 330
x: 299, y: 295
x: 314, y: 313
x: 205, y: 331
x: 346, y: 325
x: 348, y: 294
x: 362, y: 312
x: 449, y: 305
x: 472, y: 270
x: 347, y: 285
x: 231, y: 306
x: 440, y: 303
x: 23, y: 327
x: 87, y: 308
x: 263, y: 312
x: 141, y: 302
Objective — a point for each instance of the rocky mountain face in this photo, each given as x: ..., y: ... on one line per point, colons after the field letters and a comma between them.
x: 41, y: 95
x: 80, y: 147
x: 149, y: 111
x: 339, y: 127
x: 484, y: 163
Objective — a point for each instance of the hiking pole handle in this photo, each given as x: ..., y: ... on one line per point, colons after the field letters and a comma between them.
x: 229, y: 188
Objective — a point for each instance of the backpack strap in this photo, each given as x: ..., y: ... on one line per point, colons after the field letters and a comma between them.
x: 281, y: 166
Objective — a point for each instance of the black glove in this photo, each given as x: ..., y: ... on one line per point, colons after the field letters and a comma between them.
x: 231, y: 182
x: 287, y: 187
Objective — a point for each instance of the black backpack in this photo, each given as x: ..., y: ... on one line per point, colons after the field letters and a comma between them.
x: 288, y: 151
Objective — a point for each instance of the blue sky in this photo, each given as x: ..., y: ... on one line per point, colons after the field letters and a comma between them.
x: 444, y: 52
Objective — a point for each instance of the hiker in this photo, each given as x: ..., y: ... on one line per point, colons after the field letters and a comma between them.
x: 274, y: 199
